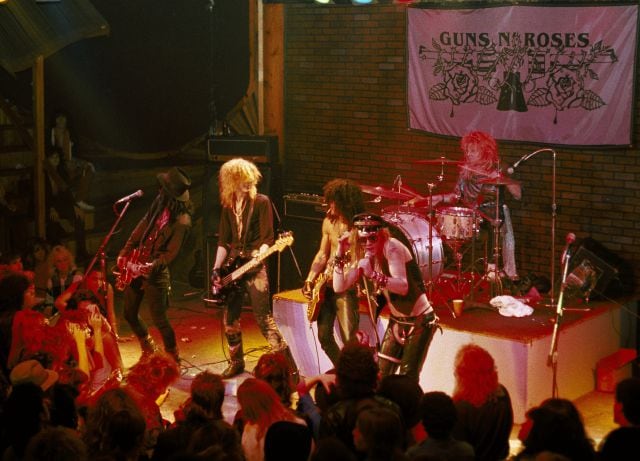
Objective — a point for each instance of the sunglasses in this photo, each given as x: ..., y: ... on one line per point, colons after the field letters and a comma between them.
x: 368, y: 238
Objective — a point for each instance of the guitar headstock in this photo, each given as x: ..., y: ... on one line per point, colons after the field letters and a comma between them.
x: 285, y: 239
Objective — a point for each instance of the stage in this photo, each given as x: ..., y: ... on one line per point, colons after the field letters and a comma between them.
x: 520, y: 346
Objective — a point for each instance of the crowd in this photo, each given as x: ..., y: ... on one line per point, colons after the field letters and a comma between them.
x: 51, y: 410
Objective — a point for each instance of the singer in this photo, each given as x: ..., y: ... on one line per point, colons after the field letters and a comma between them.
x: 144, y: 261
x: 382, y: 267
x: 344, y: 200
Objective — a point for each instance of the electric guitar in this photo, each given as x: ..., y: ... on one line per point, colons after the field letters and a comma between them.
x: 131, y: 269
x: 240, y: 266
x: 317, y: 295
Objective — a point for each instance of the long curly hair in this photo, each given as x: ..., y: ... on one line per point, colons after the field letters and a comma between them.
x: 356, y: 371
x: 485, y: 159
x: 233, y: 174
x: 274, y: 368
x: 347, y: 196
x: 476, y: 375
x: 152, y: 374
x: 261, y: 405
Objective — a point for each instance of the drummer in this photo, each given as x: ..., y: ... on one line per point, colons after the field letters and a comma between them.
x: 480, y: 165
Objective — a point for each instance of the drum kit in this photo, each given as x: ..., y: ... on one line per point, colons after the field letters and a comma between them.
x: 428, y: 228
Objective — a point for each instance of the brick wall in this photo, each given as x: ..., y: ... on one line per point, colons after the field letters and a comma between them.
x: 345, y: 116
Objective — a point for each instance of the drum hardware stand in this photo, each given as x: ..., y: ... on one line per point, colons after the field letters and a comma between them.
x: 430, y: 283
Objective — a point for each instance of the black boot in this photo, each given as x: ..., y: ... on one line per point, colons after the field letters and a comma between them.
x: 147, y: 345
x: 236, y: 364
x: 174, y: 354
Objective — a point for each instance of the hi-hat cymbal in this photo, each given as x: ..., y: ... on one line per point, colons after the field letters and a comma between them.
x: 438, y: 161
x: 499, y: 180
x: 384, y: 192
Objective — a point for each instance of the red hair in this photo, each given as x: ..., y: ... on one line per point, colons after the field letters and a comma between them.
x: 476, y: 375
x: 487, y: 152
x: 261, y: 405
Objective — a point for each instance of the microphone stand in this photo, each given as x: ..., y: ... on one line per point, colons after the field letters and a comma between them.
x: 552, y: 359
x: 553, y: 214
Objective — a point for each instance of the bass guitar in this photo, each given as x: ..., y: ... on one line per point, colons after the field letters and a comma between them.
x: 132, y: 268
x: 239, y: 267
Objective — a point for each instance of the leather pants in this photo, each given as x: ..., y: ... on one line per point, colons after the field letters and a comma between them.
x: 344, y: 307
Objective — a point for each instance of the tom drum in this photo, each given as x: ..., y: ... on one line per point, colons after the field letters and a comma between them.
x: 456, y: 223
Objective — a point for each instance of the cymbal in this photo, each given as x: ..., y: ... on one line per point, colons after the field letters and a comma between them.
x: 499, y: 180
x: 386, y: 193
x: 438, y: 161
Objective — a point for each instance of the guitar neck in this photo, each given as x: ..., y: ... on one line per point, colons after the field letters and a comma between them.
x: 240, y: 271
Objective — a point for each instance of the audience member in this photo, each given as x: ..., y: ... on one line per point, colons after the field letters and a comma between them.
x: 32, y: 371
x: 406, y: 392
x: 125, y: 437
x: 62, y: 213
x: 621, y: 444
x: 379, y: 433
x: 555, y: 426
x: 261, y: 407
x: 37, y: 261
x: 626, y: 406
x: 56, y: 444
x: 80, y: 172
x: 332, y: 449
x: 65, y: 271
x: 203, y: 406
x: 147, y: 381
x: 325, y: 394
x: 275, y: 369
x: 439, y: 416
x: 287, y: 440
x: 356, y: 383
x: 217, y: 440
x: 23, y: 416
x: 101, y: 412
x: 485, y: 414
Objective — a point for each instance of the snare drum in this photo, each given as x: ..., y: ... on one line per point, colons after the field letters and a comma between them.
x: 416, y: 229
x: 456, y: 223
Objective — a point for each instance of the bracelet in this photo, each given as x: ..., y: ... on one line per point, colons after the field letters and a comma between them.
x: 339, y: 262
x: 380, y: 279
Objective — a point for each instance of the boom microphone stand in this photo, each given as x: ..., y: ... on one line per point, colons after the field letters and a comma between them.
x: 510, y: 170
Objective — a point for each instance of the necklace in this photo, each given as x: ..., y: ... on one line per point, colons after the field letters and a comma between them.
x: 238, y: 211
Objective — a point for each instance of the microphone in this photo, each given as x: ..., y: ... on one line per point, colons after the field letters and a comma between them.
x: 130, y: 197
x: 566, y: 253
x: 513, y: 167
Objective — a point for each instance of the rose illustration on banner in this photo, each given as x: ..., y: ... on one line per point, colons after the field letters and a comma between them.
x: 564, y: 91
x: 461, y: 85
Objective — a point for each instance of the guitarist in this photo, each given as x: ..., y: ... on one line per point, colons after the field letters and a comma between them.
x: 344, y: 200
x: 158, y: 238
x: 246, y: 230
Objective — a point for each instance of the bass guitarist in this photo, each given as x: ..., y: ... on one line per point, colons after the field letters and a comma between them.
x: 144, y: 261
x: 246, y: 230
x: 344, y: 200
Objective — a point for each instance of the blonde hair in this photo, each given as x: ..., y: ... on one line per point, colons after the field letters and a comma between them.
x: 235, y: 173
x: 61, y: 250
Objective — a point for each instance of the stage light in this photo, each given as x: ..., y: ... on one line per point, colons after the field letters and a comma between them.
x: 324, y: 2
x: 363, y: 2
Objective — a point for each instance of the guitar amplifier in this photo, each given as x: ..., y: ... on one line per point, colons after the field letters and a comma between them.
x: 305, y: 206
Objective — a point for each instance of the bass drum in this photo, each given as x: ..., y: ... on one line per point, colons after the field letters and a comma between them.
x: 416, y: 230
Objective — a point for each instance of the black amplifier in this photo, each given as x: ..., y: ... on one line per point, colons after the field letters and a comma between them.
x: 305, y: 206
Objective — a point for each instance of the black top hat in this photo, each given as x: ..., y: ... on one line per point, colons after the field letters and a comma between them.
x: 176, y: 183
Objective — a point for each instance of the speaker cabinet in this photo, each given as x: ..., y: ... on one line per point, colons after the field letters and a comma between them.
x: 595, y: 271
x: 257, y: 149
x: 303, y: 216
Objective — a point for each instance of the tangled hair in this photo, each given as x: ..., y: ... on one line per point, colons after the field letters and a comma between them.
x: 207, y: 395
x: 13, y: 286
x: 152, y: 374
x: 101, y: 413
x: 356, y: 371
x: 347, y: 196
x: 274, y: 368
x: 261, y: 405
x: 487, y: 152
x: 235, y: 173
x: 558, y: 427
x: 63, y: 251
x: 215, y: 440
x: 476, y: 375
x: 382, y: 432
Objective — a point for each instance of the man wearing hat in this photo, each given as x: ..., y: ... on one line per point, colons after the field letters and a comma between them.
x: 386, y: 270
x: 153, y: 244
x: 32, y: 371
